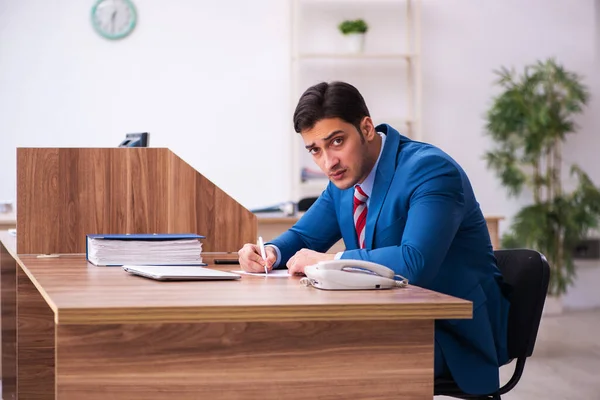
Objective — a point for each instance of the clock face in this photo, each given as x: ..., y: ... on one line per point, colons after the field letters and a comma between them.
x: 113, y: 19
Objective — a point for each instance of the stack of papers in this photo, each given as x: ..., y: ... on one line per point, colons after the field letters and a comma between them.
x: 144, y: 249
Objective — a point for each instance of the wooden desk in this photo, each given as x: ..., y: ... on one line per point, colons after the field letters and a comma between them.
x: 493, y: 223
x: 94, y: 333
x: 271, y: 227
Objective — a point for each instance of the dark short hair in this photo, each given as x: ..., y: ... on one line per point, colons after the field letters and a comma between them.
x: 330, y: 100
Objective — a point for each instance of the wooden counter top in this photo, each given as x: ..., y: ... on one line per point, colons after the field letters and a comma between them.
x: 81, y: 293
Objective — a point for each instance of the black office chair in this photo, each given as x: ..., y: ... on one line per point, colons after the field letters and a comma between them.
x: 528, y: 272
x: 305, y: 203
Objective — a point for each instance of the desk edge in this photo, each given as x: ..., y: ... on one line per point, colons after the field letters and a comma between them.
x: 127, y: 315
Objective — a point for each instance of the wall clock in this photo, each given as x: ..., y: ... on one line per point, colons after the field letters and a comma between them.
x: 114, y: 19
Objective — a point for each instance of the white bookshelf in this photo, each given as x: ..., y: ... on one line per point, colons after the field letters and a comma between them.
x: 387, y: 72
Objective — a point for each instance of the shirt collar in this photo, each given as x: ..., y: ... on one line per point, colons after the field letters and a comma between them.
x: 367, y: 185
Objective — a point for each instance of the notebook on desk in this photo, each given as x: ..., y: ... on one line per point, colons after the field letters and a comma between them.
x: 179, y: 273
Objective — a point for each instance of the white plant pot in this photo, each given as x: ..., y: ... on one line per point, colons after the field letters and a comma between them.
x: 553, y: 305
x: 355, y: 42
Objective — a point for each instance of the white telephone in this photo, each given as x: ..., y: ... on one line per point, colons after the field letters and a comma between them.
x: 351, y: 275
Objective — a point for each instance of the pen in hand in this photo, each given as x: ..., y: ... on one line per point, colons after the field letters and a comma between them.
x: 263, y: 253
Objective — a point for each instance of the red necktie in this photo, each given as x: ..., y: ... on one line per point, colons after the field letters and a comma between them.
x: 360, y: 214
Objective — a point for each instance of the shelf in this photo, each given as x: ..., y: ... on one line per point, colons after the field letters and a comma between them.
x: 359, y: 56
x: 369, y: 2
x: 402, y: 125
x: 388, y: 70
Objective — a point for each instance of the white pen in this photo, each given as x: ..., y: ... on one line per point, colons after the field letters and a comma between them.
x: 263, y: 253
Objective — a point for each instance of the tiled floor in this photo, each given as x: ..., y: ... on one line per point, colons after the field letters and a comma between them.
x: 566, y: 361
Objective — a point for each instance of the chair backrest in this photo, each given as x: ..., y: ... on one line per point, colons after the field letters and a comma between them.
x: 528, y: 272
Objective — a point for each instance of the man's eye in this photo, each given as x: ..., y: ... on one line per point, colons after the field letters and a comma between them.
x: 337, y: 141
x: 313, y: 151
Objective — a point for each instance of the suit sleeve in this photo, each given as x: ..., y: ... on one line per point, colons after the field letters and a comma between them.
x: 435, y: 211
x: 316, y: 230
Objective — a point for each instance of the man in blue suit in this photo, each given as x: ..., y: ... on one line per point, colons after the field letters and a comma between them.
x: 408, y: 206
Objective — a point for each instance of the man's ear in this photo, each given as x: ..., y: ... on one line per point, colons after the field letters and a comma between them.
x: 367, y: 128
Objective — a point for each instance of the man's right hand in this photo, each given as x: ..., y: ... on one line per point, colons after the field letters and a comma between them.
x: 251, y: 260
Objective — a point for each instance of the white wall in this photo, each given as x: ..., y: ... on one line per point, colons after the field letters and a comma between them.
x: 210, y: 80
x: 464, y: 41
x: 207, y: 79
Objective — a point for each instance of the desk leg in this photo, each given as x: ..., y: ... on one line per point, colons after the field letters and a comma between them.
x: 35, y: 342
x: 286, y: 360
x: 493, y: 231
x: 8, y: 292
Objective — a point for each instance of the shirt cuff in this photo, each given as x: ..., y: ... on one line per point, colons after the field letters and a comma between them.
x: 278, y: 255
x: 338, y: 255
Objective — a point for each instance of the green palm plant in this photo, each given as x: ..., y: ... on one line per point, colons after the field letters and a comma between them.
x: 529, y: 121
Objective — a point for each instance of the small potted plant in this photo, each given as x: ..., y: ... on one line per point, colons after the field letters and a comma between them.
x: 354, y: 32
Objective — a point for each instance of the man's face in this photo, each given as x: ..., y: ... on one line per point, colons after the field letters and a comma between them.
x: 340, y: 151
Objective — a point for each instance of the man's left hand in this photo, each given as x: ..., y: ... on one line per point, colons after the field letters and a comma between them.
x: 306, y: 257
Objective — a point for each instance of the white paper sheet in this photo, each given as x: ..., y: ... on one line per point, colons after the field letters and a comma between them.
x: 279, y: 273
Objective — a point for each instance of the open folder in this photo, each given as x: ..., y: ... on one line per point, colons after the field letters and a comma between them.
x: 144, y: 249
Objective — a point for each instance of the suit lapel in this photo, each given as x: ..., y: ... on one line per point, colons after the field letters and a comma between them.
x: 383, y: 179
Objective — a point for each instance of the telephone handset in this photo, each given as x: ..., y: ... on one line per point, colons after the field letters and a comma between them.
x: 351, y: 275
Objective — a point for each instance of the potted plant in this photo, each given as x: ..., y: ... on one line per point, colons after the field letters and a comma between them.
x: 529, y: 121
x: 354, y: 31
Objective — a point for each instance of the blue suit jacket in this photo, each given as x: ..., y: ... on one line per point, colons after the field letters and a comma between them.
x: 424, y: 223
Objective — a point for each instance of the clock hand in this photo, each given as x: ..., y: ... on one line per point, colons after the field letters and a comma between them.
x: 112, y: 21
